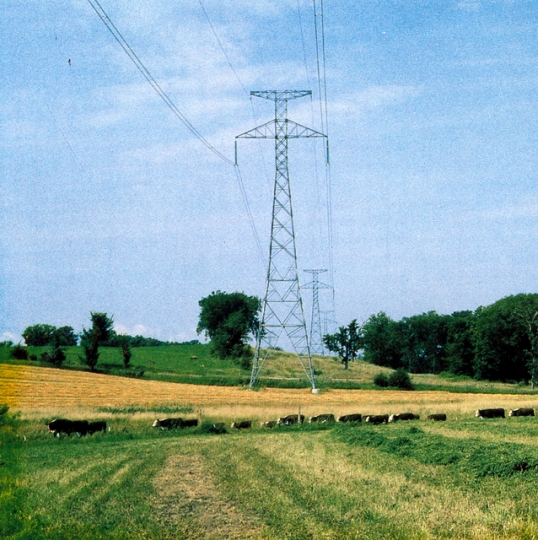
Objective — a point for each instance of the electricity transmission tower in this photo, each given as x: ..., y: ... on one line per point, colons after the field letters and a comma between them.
x: 282, y: 310
x: 316, y: 336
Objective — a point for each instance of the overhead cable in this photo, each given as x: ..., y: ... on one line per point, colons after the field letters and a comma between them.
x: 149, y: 77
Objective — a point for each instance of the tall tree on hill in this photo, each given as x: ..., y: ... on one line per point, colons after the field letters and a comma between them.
x: 502, y: 340
x: 229, y: 320
x: 346, y: 342
x: 383, y: 341
x: 95, y: 336
x: 38, y: 335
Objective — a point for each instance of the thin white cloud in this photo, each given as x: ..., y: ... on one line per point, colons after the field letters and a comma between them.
x: 10, y: 336
x: 375, y: 97
x: 469, y: 5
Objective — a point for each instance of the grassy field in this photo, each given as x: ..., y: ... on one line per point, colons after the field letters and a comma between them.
x: 195, y: 365
x: 464, y: 478
x: 392, y: 481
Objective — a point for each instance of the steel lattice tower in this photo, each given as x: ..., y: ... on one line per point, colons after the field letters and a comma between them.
x: 282, y: 309
x: 316, y: 337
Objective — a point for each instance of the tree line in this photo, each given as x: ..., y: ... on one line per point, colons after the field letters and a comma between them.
x: 498, y: 342
x: 41, y: 335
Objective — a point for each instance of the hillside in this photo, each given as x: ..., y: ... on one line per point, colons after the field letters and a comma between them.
x: 193, y: 364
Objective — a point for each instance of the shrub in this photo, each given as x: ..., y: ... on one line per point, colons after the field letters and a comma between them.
x: 55, y: 356
x: 381, y: 380
x: 400, y: 379
x: 19, y: 352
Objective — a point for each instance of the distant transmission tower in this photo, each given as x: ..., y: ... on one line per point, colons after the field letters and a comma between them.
x: 282, y: 309
x: 316, y: 336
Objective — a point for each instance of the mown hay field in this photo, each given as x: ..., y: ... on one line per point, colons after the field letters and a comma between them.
x: 36, y: 391
x: 464, y: 478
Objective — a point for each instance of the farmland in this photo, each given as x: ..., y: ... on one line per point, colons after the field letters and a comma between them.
x: 464, y: 478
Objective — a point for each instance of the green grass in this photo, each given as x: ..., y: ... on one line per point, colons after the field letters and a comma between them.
x: 406, y: 480
x: 195, y: 365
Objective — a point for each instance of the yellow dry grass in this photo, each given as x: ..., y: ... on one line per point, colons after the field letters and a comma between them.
x: 36, y: 391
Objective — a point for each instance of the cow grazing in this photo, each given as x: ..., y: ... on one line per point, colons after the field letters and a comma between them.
x: 94, y: 427
x: 245, y: 424
x: 521, y: 412
x: 351, y: 418
x: 322, y: 418
x: 168, y: 423
x: 490, y: 413
x: 270, y: 424
x: 60, y: 425
x: 190, y: 422
x: 377, y: 418
x: 403, y: 416
x: 438, y: 417
x: 291, y: 419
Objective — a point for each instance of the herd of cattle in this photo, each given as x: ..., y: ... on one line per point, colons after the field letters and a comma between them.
x: 83, y: 427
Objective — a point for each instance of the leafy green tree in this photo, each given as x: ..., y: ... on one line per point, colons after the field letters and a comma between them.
x: 423, y: 342
x: 229, y: 319
x: 346, y: 342
x: 66, y: 336
x: 382, y: 341
x: 460, y: 346
x: 38, y: 335
x: 125, y: 346
x: 98, y: 334
x: 502, y: 341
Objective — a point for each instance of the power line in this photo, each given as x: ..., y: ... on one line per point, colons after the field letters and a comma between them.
x: 162, y: 94
x: 221, y: 47
x: 101, y: 13
x: 321, y: 65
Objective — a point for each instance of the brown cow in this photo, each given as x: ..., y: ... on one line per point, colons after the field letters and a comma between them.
x: 245, y: 424
x: 490, y: 413
x: 403, y: 416
x: 376, y: 418
x: 437, y: 417
x: 291, y: 419
x: 322, y: 418
x: 521, y: 412
x: 351, y: 418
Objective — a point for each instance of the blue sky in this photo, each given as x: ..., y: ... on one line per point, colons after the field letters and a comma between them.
x: 110, y: 204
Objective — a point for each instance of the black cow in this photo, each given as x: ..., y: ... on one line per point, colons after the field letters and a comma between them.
x: 437, y: 417
x: 521, y: 412
x: 377, y: 418
x: 190, y: 422
x: 94, y: 427
x: 270, y: 424
x: 60, y: 425
x: 168, y: 423
x: 490, y: 413
x: 351, y: 418
x: 322, y: 418
x: 245, y: 424
x: 291, y: 419
x: 403, y: 416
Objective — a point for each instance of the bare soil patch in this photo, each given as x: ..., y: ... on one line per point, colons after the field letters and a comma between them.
x: 188, y: 498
